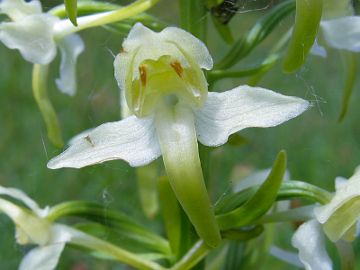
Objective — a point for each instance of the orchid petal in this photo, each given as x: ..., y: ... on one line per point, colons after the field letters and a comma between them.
x: 32, y: 227
x: 193, y: 46
x: 343, y: 33
x: 125, y: 111
x: 47, y: 257
x: 318, y: 50
x: 226, y: 113
x: 17, y: 9
x: 286, y: 256
x: 132, y: 139
x: 143, y: 43
x: 32, y: 36
x: 310, y: 242
x: 21, y: 196
x: 70, y: 47
x: 42, y: 257
x: 341, y: 214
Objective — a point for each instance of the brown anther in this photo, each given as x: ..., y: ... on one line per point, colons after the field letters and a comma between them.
x: 87, y: 138
x: 142, y: 71
x: 122, y: 50
x: 177, y: 67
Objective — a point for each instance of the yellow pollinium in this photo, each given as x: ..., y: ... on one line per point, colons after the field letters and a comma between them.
x: 165, y: 81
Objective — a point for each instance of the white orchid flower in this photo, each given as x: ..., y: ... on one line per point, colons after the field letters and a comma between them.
x: 309, y: 239
x: 37, y: 35
x: 33, y: 228
x: 338, y: 220
x: 340, y: 217
x: 166, y: 91
x: 339, y: 27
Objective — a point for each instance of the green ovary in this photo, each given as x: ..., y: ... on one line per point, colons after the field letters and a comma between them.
x: 165, y: 80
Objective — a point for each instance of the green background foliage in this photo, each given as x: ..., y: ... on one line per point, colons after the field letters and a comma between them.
x: 319, y: 148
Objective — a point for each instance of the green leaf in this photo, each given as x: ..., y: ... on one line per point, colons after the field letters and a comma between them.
x: 235, y: 255
x: 147, y: 177
x: 288, y: 190
x: 262, y: 200
x: 223, y: 30
x: 39, y: 86
x: 193, y: 17
x: 113, y: 219
x: 71, y: 10
x: 243, y: 234
x: 350, y: 63
x: 307, y: 22
x: 120, y: 238
x: 218, y: 74
x: 263, y: 27
x: 171, y: 213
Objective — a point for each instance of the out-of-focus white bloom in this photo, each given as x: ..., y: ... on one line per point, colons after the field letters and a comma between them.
x: 310, y: 241
x: 340, y: 216
x: 338, y: 219
x: 36, y: 35
x: 33, y: 228
x: 339, y: 27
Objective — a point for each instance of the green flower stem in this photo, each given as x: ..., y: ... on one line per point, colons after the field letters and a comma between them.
x: 110, y: 218
x: 307, y: 22
x: 65, y: 27
x: 256, y: 34
x: 39, y: 86
x: 193, y: 256
x: 350, y: 63
x: 296, y: 214
x: 298, y: 189
x: 171, y: 214
x: 218, y: 74
x: 91, y: 7
x: 117, y: 253
x: 242, y: 234
x: 288, y: 190
x: 147, y: 177
x: 176, y: 133
x: 85, y: 8
x: 193, y: 17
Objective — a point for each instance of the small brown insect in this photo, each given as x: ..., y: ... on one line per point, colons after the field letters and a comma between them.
x: 177, y: 67
x: 88, y: 139
x: 142, y: 71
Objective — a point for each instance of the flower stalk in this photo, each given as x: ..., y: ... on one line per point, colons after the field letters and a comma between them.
x: 39, y: 86
x: 65, y: 27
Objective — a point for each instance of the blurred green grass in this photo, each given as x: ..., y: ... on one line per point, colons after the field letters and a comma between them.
x: 319, y: 148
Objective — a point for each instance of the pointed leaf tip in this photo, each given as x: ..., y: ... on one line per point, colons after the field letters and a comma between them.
x: 262, y: 200
x: 71, y: 10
